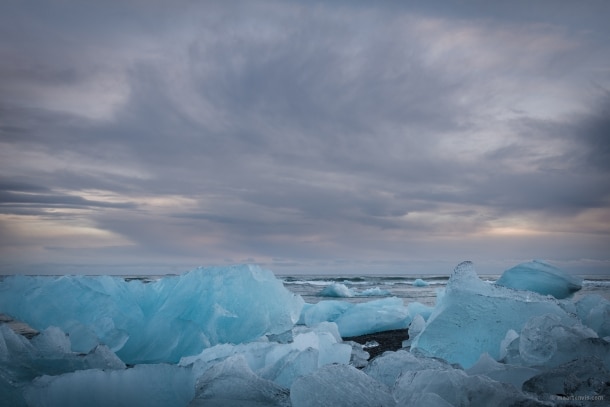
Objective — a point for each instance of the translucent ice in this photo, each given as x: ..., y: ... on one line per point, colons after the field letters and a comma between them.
x: 473, y: 317
x: 359, y: 319
x: 184, y: 314
x: 232, y: 383
x: 143, y: 385
x: 339, y: 385
x: 542, y: 278
x: 279, y: 362
x: 501, y: 372
x: 391, y: 365
x: 420, y: 283
x: 548, y: 341
x: 457, y: 388
x: 594, y: 311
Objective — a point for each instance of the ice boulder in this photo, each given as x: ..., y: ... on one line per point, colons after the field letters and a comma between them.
x: 594, y: 311
x: 373, y: 292
x: 339, y: 385
x: 232, y: 383
x: 388, y: 367
x: 473, y: 317
x: 184, y: 314
x: 358, y: 319
x: 540, y: 277
x: 457, y: 388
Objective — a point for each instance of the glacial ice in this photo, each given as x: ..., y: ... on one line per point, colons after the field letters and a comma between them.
x: 339, y: 385
x: 359, y: 319
x: 472, y: 317
x: 184, y: 314
x: 310, y: 349
x: 514, y: 344
x: 540, y: 277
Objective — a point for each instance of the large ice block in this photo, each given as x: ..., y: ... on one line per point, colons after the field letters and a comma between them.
x: 473, y: 317
x: 184, y: 314
x: 358, y: 319
x: 540, y: 277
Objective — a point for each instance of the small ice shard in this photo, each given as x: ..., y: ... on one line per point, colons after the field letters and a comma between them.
x: 336, y: 290
x: 420, y: 283
x: 339, y: 386
x: 371, y: 344
x: 540, y: 277
x: 232, y: 383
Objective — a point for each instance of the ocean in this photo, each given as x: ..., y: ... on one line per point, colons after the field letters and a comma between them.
x: 310, y: 286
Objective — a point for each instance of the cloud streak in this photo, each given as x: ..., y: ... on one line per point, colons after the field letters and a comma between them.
x: 309, y: 138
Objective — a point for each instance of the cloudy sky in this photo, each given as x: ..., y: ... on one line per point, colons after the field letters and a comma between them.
x: 309, y: 137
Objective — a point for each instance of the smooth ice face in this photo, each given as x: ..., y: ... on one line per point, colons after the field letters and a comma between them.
x: 359, y: 319
x: 542, y: 278
x: 420, y: 283
x: 594, y: 311
x: 457, y: 388
x: 473, y: 317
x: 232, y: 383
x: 339, y: 385
x: 183, y: 314
x: 142, y: 385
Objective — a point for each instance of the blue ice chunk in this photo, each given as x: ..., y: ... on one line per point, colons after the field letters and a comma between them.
x: 540, y: 277
x: 359, y: 319
x: 184, y: 314
x: 281, y: 363
x: 473, y: 317
x: 232, y: 383
x: 374, y: 316
x: 420, y: 283
x: 341, y: 386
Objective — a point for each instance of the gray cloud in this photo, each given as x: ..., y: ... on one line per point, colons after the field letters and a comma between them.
x: 304, y: 133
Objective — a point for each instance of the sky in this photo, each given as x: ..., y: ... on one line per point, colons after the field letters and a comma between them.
x: 152, y: 137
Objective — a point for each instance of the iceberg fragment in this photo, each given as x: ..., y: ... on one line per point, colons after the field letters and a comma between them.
x: 502, y: 372
x: 184, y: 314
x: 457, y: 388
x: 540, y: 277
x: 473, y: 317
x: 336, y: 290
x: 232, y: 383
x: 339, y: 385
x: 420, y: 283
x: 594, y: 311
x: 358, y: 319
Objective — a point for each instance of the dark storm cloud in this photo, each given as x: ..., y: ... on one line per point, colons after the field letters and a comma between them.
x: 282, y: 129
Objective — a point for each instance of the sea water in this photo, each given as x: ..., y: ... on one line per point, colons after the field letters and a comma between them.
x: 405, y: 287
